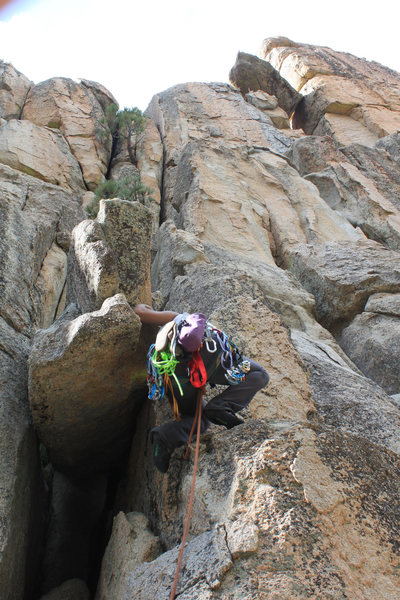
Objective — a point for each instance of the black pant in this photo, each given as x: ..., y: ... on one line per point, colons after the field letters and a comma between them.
x: 231, y: 400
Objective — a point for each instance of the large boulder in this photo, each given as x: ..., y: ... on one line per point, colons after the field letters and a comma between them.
x: 77, y: 110
x: 92, y: 268
x: 372, y: 340
x: 252, y: 73
x: 338, y: 83
x: 14, y: 87
x: 111, y: 254
x: 40, y: 152
x: 128, y: 228
x: 342, y: 276
x: 82, y: 374
x: 209, y: 559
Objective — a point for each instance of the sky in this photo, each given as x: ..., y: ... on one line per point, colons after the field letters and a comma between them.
x: 137, y: 49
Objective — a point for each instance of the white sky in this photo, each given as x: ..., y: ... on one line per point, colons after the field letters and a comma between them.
x: 137, y: 49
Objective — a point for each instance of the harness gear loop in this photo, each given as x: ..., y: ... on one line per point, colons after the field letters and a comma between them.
x: 197, y: 420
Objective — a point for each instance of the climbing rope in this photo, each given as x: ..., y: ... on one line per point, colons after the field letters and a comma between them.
x: 196, y: 421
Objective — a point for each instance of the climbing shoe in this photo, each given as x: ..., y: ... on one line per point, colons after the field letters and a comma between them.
x: 161, y: 454
x: 222, y: 417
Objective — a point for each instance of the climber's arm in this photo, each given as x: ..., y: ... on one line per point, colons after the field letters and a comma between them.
x: 153, y: 317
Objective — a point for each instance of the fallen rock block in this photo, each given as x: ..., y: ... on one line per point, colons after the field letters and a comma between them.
x: 92, y: 269
x: 111, y: 254
x: 82, y: 372
x: 131, y: 545
x: 250, y: 73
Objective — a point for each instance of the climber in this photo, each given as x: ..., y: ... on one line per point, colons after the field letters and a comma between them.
x: 221, y: 410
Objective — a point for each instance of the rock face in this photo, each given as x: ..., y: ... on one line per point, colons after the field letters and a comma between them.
x: 286, y: 239
x: 337, y: 83
x: 261, y: 232
x: 372, y: 340
x: 40, y: 188
x: 359, y: 182
x: 77, y: 110
x: 40, y: 152
x: 22, y: 496
x: 340, y: 283
x: 14, y: 87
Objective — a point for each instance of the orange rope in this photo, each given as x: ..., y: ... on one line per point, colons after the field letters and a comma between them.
x: 196, y: 458
x: 173, y: 402
x: 193, y: 425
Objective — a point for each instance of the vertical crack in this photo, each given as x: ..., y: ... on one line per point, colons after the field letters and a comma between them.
x: 23, y: 103
x: 162, y: 190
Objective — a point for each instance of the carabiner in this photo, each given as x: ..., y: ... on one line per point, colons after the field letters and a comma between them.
x: 210, y: 341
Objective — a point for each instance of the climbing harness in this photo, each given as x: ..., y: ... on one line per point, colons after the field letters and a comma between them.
x: 173, y: 338
x: 197, y: 424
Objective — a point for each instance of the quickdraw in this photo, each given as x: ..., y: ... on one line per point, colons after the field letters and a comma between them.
x: 235, y: 373
x: 160, y: 368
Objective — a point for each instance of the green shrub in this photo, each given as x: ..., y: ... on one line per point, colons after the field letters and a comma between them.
x: 127, y: 125
x: 127, y: 188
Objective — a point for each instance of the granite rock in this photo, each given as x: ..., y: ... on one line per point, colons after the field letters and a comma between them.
x: 252, y: 73
x: 32, y: 212
x: 372, y: 341
x: 40, y: 152
x: 82, y: 374
x: 14, y: 87
x: 342, y: 276
x: 77, y: 111
x: 337, y: 83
